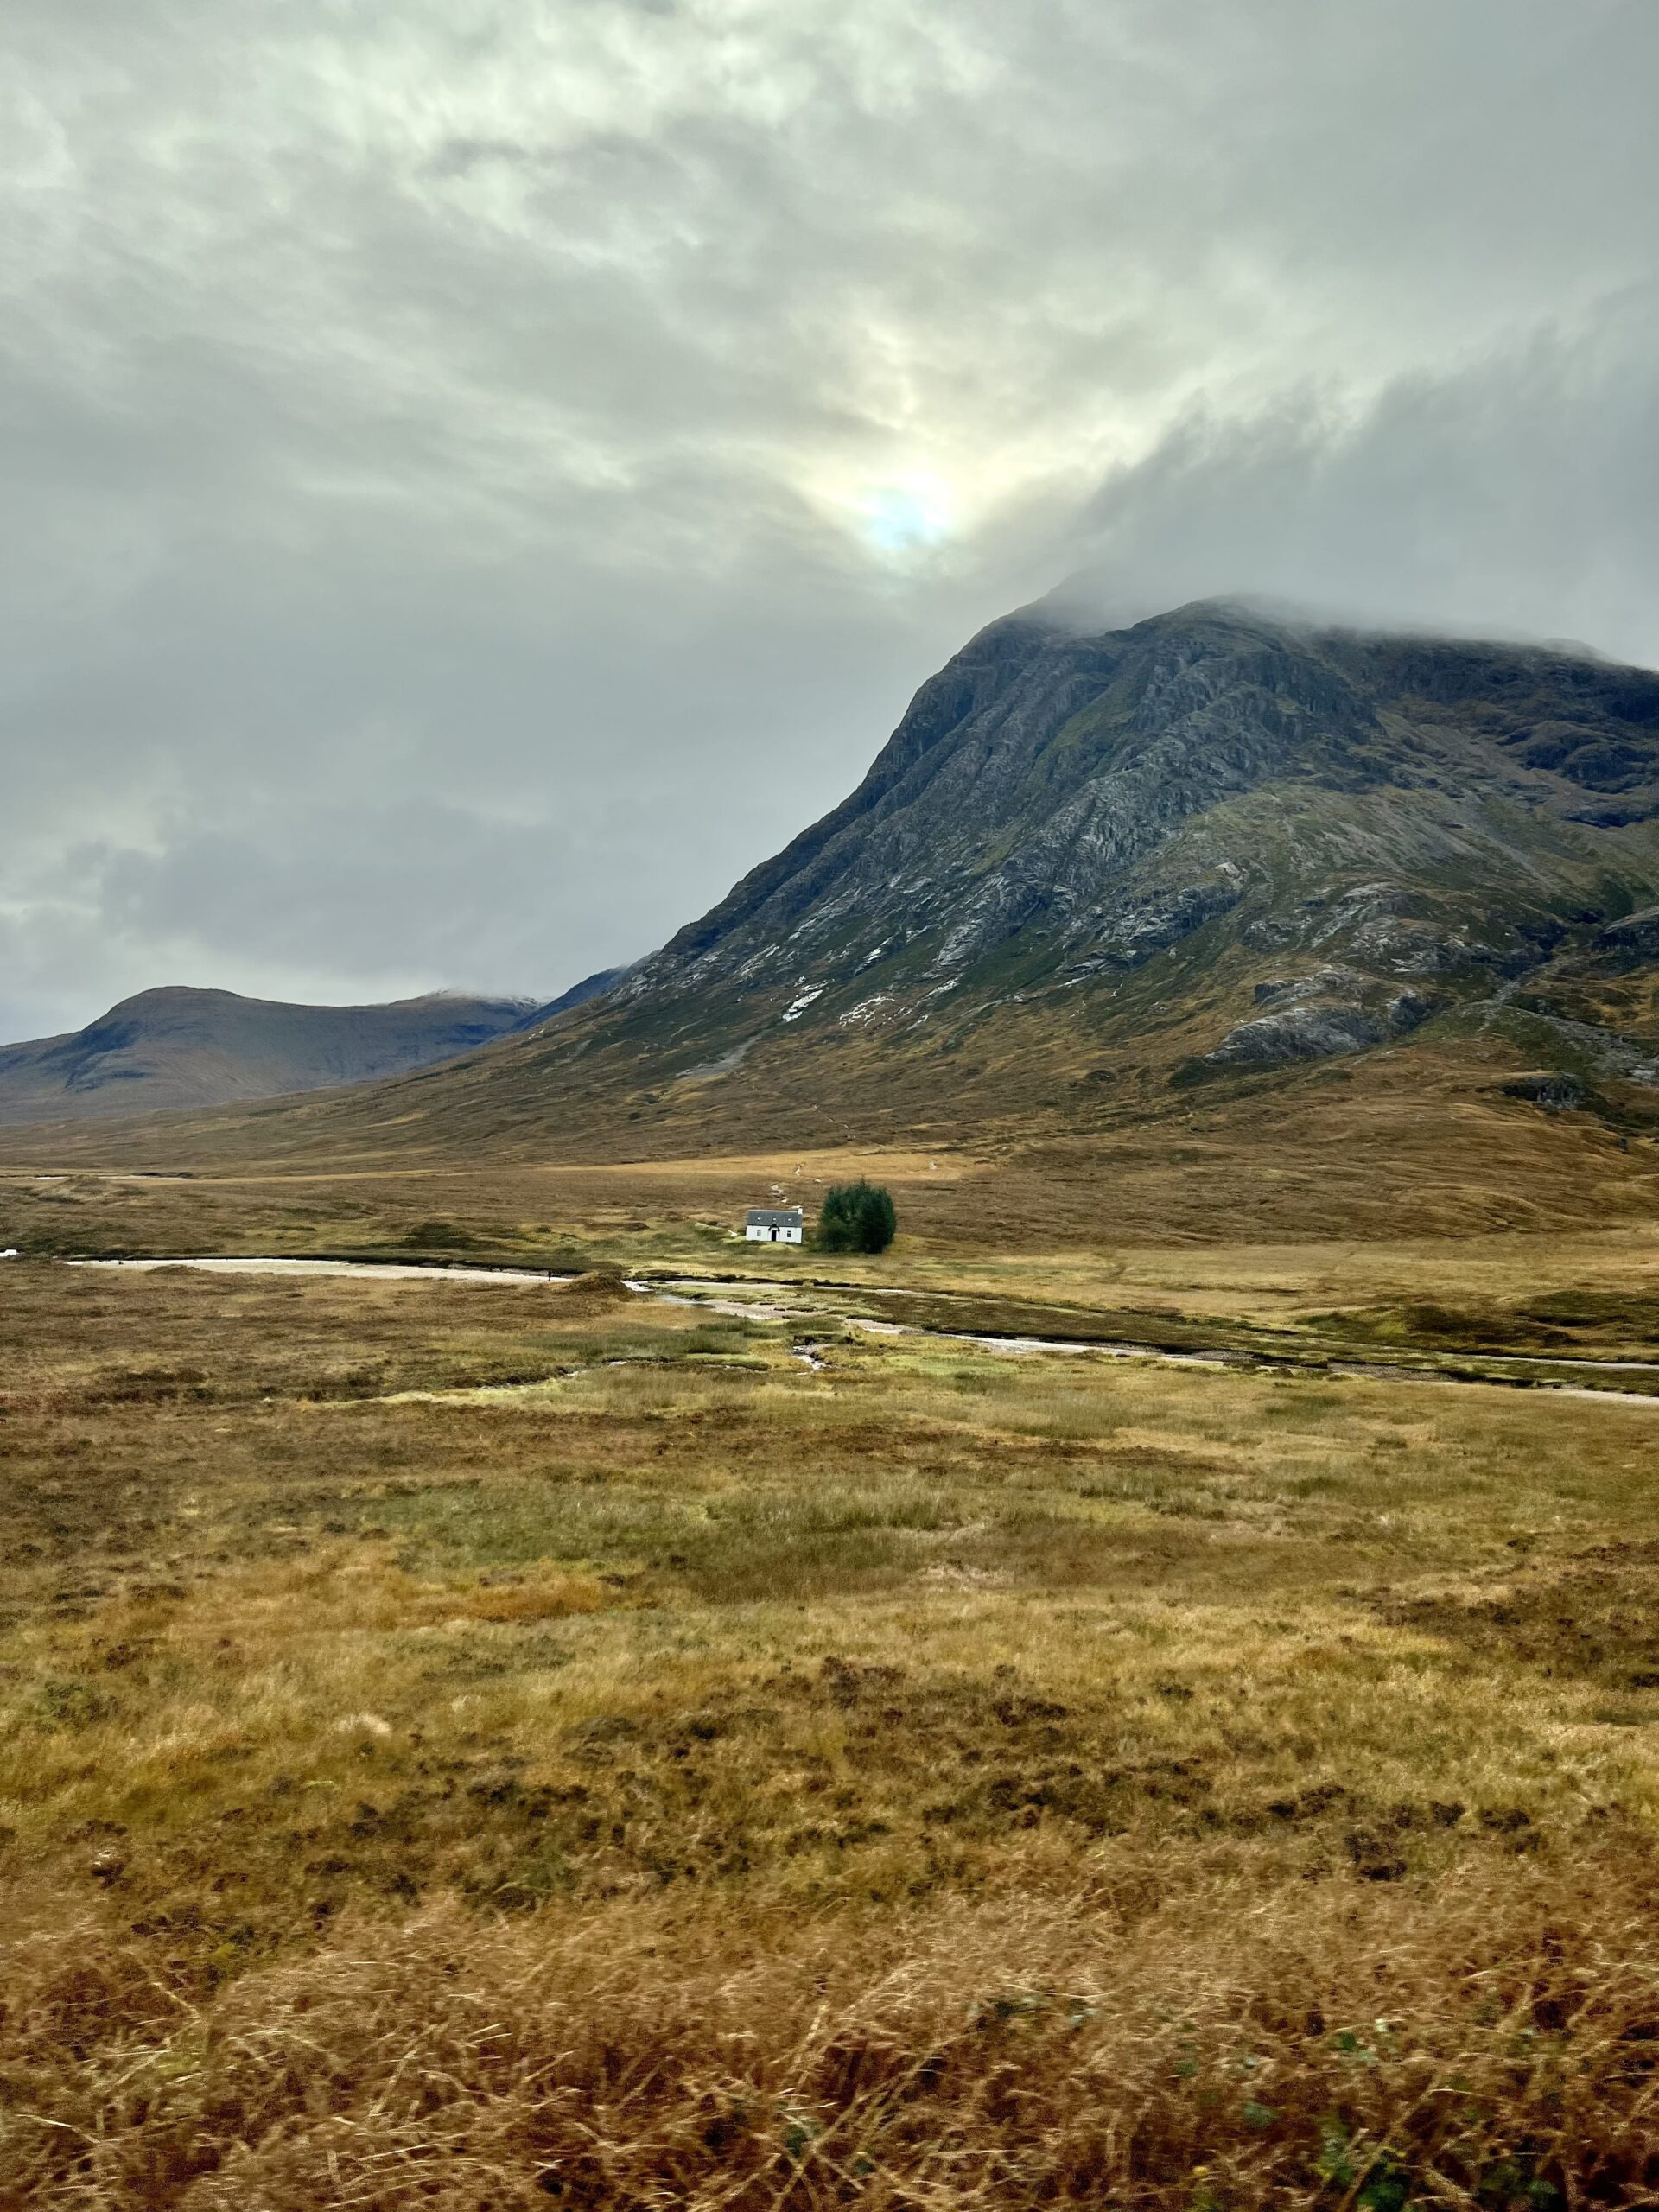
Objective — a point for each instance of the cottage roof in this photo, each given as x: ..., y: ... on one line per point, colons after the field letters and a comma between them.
x: 774, y: 1217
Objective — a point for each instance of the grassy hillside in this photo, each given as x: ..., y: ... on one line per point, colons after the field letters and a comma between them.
x: 1422, y: 1139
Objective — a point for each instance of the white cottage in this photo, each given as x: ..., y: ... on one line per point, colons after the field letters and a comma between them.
x: 773, y: 1225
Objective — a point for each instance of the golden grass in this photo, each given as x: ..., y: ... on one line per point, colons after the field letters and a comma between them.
x: 441, y: 1766
x: 1149, y: 2042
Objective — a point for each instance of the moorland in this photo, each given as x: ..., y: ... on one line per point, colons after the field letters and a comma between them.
x: 488, y: 1743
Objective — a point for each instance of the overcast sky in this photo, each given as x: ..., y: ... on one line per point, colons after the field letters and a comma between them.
x: 480, y: 474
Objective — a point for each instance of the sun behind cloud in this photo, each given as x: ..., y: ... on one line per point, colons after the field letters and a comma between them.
x: 907, y: 514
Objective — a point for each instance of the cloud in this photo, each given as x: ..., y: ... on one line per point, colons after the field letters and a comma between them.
x: 483, y: 474
x: 1518, y: 494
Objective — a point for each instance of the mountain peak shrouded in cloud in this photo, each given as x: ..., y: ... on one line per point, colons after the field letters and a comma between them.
x: 478, y: 474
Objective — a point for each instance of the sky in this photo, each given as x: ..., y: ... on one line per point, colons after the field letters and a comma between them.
x: 480, y: 475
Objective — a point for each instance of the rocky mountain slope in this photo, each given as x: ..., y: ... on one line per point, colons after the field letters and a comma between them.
x: 180, y: 1047
x: 1101, y: 880
x: 1059, y: 808
x: 1215, y: 844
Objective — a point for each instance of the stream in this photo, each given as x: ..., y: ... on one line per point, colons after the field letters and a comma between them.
x: 689, y: 1291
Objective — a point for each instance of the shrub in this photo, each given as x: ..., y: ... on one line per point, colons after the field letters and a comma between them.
x: 857, y: 1218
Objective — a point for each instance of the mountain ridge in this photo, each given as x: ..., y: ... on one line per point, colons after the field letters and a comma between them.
x: 177, y: 1046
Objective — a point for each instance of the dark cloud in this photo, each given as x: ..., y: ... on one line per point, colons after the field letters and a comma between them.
x: 481, y: 474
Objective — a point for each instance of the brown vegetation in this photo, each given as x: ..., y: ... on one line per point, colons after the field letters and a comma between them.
x: 475, y: 1745
x: 1422, y: 1141
x: 1489, y: 2043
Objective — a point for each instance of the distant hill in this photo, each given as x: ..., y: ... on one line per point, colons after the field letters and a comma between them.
x: 1377, y: 913
x: 179, y: 1047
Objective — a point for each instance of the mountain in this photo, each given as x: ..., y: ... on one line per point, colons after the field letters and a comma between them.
x: 1391, y: 825
x: 1102, y: 882
x: 180, y: 1047
x: 1217, y: 842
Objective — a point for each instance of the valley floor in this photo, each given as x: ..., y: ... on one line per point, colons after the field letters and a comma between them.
x: 480, y: 1744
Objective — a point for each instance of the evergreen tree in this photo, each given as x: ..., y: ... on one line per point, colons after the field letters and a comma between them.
x: 856, y: 1218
